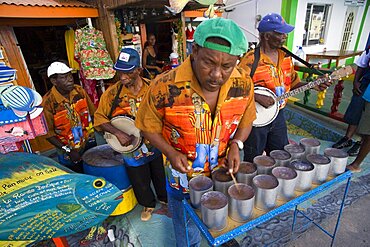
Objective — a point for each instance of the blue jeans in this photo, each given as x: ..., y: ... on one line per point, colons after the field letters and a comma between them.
x: 267, y: 138
x: 177, y: 210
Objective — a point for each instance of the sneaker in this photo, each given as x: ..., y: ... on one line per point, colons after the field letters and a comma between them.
x: 146, y: 214
x: 343, y: 143
x: 355, y: 149
x: 163, y: 203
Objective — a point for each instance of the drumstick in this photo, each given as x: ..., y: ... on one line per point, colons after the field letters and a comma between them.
x: 235, y: 182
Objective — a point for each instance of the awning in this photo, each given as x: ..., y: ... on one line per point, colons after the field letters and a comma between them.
x: 46, y: 9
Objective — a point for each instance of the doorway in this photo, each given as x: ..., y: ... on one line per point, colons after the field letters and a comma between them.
x: 348, y: 28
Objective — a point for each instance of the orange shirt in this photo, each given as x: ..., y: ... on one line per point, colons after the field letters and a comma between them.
x: 63, y: 114
x: 128, y: 103
x: 271, y: 75
x: 175, y: 107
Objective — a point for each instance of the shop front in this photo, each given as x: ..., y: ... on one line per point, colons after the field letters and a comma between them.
x: 33, y: 35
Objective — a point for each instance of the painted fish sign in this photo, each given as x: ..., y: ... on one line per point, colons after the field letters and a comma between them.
x: 40, y: 199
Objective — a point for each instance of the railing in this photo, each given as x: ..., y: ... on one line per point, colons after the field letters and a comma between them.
x: 338, y: 88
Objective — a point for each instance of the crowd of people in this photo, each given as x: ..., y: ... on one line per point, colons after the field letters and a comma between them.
x: 198, y: 115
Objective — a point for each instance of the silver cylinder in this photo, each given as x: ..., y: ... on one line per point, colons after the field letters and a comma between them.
x: 264, y: 164
x: 338, y: 162
x: 221, y: 180
x: 322, y: 165
x: 295, y: 150
x: 287, y: 178
x: 266, y: 188
x: 246, y: 173
x: 311, y: 146
x: 281, y: 157
x: 214, y: 210
x: 305, y: 171
x: 241, y: 202
x: 197, y: 187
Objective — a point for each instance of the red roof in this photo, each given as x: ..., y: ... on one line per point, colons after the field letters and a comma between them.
x: 46, y: 3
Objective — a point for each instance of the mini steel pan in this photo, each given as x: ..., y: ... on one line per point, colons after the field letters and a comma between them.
x: 127, y: 125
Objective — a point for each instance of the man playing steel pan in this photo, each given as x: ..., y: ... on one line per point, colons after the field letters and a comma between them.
x: 190, y: 112
x: 144, y: 164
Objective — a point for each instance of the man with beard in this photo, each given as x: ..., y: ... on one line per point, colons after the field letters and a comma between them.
x: 274, y: 71
x: 214, y: 93
x: 68, y: 112
x: 123, y: 99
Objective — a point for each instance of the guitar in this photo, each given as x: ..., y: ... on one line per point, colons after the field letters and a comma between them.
x: 266, y: 115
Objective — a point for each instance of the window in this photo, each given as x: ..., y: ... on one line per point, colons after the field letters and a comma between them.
x: 317, y: 16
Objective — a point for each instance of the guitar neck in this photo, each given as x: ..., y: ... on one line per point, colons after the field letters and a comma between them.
x: 301, y: 89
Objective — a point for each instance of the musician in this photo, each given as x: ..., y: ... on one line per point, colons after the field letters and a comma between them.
x: 68, y: 111
x: 123, y: 98
x: 274, y: 71
x: 193, y: 106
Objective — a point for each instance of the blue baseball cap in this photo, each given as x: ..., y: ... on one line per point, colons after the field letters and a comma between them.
x: 274, y: 22
x: 128, y: 60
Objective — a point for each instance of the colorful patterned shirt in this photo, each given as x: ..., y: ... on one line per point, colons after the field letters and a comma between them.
x: 69, y: 119
x: 175, y: 106
x: 128, y: 103
x: 279, y: 78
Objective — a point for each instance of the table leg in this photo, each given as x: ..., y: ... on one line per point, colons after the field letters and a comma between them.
x: 186, y: 226
x: 294, y: 217
x: 340, y: 211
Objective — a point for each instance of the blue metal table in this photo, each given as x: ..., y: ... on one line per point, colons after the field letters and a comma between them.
x: 243, y: 228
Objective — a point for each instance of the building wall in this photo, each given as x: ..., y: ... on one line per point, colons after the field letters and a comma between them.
x: 365, y: 31
x: 335, y: 29
x: 245, y: 14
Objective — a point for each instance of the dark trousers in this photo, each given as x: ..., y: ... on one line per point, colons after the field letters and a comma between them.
x: 267, y: 138
x: 141, y: 177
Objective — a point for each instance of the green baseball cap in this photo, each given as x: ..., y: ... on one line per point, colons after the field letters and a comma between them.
x: 225, y: 29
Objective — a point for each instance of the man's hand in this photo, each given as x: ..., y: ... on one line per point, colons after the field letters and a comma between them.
x: 265, y: 101
x: 179, y: 161
x: 233, y: 159
x: 74, y: 156
x: 356, y: 88
x: 323, y: 86
x: 124, y: 138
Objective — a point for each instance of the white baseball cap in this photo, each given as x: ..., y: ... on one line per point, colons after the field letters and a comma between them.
x: 58, y: 68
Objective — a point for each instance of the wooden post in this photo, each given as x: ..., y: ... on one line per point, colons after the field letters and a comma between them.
x: 183, y: 36
x: 143, y: 35
x: 107, y: 25
x: 9, y: 41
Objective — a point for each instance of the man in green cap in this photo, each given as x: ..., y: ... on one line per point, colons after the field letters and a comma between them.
x: 208, y: 102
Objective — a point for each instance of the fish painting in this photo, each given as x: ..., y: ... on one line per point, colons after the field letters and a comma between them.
x: 176, y: 6
x: 40, y: 199
x: 22, y: 100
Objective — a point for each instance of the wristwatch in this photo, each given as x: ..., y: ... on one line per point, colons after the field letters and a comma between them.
x: 66, y: 149
x: 238, y: 142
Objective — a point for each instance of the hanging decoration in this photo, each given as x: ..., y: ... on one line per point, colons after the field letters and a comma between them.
x: 91, y: 53
x: 180, y: 39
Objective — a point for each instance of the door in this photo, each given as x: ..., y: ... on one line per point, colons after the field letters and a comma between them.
x: 348, y: 28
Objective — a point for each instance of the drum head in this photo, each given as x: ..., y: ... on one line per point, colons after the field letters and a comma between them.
x: 127, y: 125
x: 265, y: 116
